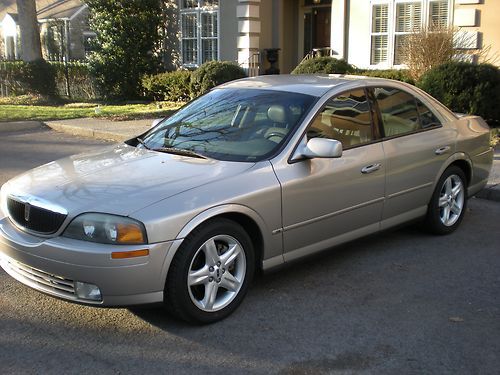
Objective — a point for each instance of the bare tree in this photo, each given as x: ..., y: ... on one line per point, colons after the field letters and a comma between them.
x: 30, y: 33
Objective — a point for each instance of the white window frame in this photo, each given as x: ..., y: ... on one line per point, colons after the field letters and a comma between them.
x: 198, y: 11
x: 391, y: 29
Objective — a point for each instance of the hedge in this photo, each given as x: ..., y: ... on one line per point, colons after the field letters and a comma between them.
x: 35, y: 78
x: 171, y: 86
x: 466, y: 88
x: 47, y: 79
x: 402, y: 75
x: 323, y: 65
x: 214, y: 73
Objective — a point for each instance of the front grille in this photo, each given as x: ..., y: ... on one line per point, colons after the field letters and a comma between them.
x: 40, y: 280
x: 34, y: 218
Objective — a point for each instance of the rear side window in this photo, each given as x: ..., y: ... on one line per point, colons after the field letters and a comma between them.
x: 398, y: 110
x: 345, y: 118
x: 427, y: 118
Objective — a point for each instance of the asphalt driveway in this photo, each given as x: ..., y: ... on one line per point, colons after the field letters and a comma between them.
x: 399, y: 302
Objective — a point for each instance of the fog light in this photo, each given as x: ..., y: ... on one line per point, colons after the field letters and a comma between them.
x: 87, y: 291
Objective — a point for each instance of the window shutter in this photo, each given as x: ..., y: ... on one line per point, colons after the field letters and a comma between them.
x: 438, y: 14
x: 408, y: 17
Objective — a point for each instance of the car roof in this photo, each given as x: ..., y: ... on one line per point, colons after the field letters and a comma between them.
x: 316, y: 85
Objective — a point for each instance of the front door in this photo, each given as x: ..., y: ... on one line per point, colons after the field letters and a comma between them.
x: 329, y: 201
x: 317, y: 29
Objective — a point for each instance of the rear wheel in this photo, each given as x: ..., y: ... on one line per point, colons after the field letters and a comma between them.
x: 448, y: 203
x: 210, y: 273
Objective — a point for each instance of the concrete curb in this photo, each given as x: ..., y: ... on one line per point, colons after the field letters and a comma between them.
x: 490, y: 192
x: 88, y: 132
x: 20, y: 126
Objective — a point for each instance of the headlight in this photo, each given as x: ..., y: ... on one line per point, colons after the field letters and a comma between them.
x: 105, y: 228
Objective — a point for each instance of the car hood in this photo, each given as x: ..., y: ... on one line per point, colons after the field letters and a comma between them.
x: 119, y: 180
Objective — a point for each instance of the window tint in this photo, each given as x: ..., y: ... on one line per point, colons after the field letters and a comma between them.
x: 345, y: 118
x: 427, y: 118
x: 398, y: 110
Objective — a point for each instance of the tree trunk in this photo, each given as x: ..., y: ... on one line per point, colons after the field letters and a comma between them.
x: 30, y: 33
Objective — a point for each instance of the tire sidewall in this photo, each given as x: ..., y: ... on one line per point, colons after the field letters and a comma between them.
x: 433, y: 220
x: 177, y: 278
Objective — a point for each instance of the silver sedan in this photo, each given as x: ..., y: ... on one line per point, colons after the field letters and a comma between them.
x: 256, y: 173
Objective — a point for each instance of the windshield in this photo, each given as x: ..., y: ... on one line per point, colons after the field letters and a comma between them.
x: 231, y: 124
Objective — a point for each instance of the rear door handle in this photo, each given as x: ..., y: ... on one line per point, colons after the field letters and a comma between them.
x: 442, y: 150
x: 371, y: 168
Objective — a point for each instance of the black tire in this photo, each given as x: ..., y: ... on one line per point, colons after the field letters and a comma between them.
x: 435, y: 220
x: 185, y: 301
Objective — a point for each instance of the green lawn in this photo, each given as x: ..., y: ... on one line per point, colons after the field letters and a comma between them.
x: 10, y: 112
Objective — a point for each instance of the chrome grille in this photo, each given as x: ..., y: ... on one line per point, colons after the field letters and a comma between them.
x: 34, y: 218
x: 40, y: 280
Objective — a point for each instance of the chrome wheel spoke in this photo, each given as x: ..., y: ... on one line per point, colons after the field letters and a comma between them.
x: 230, y: 255
x: 446, y: 215
x: 448, y: 186
x: 443, y: 201
x: 211, y: 290
x: 456, y: 208
x: 229, y: 282
x: 456, y: 190
x: 211, y: 254
x: 198, y: 277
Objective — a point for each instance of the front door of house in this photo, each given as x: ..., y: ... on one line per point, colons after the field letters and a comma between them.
x: 317, y: 28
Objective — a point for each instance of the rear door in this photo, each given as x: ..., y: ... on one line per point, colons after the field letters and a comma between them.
x: 415, y: 145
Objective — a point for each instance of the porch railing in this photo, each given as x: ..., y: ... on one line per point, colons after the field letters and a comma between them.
x: 319, y: 52
x: 252, y: 65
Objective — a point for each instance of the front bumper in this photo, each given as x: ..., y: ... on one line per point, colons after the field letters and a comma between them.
x: 52, y: 266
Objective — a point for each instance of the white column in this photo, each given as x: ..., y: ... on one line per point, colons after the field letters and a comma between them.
x: 248, y: 13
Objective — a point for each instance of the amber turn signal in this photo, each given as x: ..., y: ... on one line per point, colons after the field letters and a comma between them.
x: 130, y: 254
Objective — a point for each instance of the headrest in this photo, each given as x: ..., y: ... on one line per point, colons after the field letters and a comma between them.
x: 277, y: 113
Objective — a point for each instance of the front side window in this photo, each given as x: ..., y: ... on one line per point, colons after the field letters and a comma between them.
x: 398, y: 111
x: 232, y: 124
x: 199, y: 31
x: 345, y: 118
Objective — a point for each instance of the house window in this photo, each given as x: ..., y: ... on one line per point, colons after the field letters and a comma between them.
x: 408, y: 20
x: 394, y: 20
x: 438, y: 14
x: 199, y: 31
x: 380, y: 20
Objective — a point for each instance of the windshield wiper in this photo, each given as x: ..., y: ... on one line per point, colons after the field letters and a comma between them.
x: 179, y: 151
x: 141, y: 141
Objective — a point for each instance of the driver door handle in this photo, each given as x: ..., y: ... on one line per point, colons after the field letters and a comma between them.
x: 371, y: 168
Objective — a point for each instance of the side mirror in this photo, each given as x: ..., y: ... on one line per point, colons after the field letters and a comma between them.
x: 319, y: 148
x: 156, y: 122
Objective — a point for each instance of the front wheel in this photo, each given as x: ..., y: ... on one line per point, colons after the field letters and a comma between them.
x: 448, y: 203
x: 210, y: 273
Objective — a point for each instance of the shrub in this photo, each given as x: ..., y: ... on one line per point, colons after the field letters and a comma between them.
x: 81, y: 83
x: 214, y: 73
x: 466, y: 88
x: 171, y: 86
x: 396, y: 74
x: 34, y: 78
x: 324, y: 64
